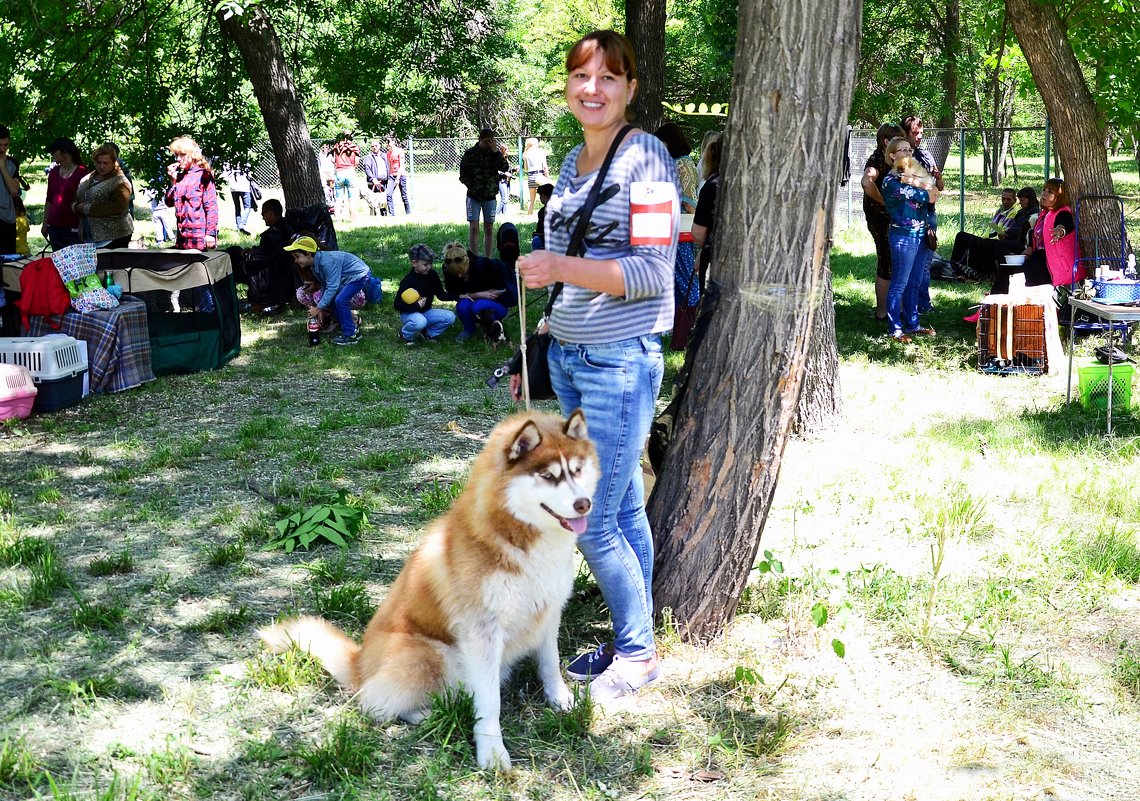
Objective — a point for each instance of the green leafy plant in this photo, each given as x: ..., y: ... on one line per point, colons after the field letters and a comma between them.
x: 770, y: 564
x: 335, y: 522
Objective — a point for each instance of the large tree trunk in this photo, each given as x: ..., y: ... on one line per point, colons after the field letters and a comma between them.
x: 256, y: 40
x: 795, y: 62
x: 952, y: 52
x: 645, y: 29
x: 1076, y: 122
x: 822, y: 401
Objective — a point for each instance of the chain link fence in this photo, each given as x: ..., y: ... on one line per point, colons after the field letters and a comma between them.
x: 433, y: 167
x: 968, y: 200
x: 958, y: 153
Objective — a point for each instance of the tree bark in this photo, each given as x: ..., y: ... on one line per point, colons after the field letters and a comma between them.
x: 822, y: 401
x: 952, y: 52
x: 795, y: 63
x: 645, y: 29
x: 264, y: 58
x: 1078, y: 126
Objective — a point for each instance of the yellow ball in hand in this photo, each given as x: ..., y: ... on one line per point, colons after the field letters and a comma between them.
x: 409, y: 296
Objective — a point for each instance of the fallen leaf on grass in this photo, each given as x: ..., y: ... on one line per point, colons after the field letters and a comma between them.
x: 708, y: 776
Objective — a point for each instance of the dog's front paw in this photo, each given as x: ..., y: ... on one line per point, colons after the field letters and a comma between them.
x: 491, y: 754
x: 560, y: 697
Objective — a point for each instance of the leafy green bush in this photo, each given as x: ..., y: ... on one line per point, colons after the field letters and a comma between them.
x: 335, y: 522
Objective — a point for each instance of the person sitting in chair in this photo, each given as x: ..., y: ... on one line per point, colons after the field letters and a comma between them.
x: 976, y: 256
x: 1052, y: 246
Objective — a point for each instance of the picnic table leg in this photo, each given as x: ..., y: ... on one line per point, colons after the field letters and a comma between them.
x: 1072, y: 337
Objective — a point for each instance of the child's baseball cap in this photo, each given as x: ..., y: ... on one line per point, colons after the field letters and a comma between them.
x: 421, y: 252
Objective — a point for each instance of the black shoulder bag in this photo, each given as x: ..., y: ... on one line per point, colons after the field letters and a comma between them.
x: 537, y: 345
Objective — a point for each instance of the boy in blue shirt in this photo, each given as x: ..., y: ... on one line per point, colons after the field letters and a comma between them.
x: 340, y: 276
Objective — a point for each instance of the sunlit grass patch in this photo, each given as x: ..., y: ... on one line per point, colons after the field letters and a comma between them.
x: 222, y: 621
x: 287, y: 671
x: 1110, y: 551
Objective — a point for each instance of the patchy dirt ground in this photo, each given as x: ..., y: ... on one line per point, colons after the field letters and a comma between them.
x: 1009, y: 695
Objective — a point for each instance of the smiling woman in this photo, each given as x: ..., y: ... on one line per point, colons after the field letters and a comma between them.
x: 605, y: 355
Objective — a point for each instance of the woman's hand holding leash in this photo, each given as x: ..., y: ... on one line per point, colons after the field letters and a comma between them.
x: 537, y: 268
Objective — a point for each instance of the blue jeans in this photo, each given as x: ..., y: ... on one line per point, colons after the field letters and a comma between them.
x: 60, y: 237
x: 343, y: 311
x: 468, y: 311
x: 435, y: 321
x: 242, y: 203
x: 402, y: 181
x: 922, y: 265
x: 504, y: 196
x: 615, y: 385
x: 343, y: 184
x: 902, y: 296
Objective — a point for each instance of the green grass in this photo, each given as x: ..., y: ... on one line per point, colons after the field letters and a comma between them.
x: 287, y: 671
x: 151, y: 518
x: 348, y: 604
x: 1110, y: 551
x: 225, y: 554
x: 350, y: 749
x: 222, y: 621
x: 95, y: 615
x: 17, y: 764
x: 1126, y: 670
x: 114, y: 565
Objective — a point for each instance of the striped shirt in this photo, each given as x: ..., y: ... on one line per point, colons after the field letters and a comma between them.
x: 588, y: 317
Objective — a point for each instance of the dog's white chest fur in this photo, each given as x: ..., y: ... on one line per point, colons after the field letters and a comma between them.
x: 542, y: 584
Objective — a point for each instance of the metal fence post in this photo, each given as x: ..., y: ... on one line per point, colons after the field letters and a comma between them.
x: 411, y: 171
x: 522, y: 180
x: 961, y: 179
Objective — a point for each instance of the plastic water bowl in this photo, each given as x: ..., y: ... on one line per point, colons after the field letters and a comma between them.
x: 1015, y: 261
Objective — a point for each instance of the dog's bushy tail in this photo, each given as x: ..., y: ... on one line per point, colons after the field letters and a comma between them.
x: 331, y: 646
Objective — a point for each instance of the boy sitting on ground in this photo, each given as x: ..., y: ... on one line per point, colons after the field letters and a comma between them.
x: 413, y: 301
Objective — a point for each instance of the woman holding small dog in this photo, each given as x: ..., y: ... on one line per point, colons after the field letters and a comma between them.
x: 605, y: 355
x: 907, y: 195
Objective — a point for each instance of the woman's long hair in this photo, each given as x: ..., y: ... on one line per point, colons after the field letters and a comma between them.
x: 885, y: 134
x: 185, y: 146
x: 711, y: 157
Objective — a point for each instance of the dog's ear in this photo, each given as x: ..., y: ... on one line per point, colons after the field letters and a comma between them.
x: 575, y: 426
x: 525, y: 441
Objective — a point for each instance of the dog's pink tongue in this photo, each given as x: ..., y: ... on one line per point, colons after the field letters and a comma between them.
x: 577, y: 525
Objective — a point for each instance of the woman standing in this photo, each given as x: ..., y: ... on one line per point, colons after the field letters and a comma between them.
x: 704, y: 220
x: 875, y: 212
x: 194, y: 196
x: 61, y: 224
x: 679, y: 148
x: 537, y: 173
x: 103, y: 202
x: 237, y: 179
x: 505, y: 181
x: 906, y: 199
x: 605, y: 355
